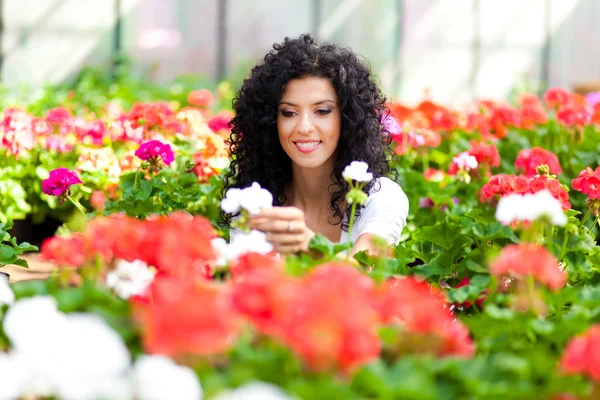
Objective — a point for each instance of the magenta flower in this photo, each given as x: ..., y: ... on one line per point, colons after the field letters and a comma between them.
x: 59, y: 182
x: 155, y: 149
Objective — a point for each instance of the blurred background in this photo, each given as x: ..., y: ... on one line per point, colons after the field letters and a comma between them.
x: 449, y: 51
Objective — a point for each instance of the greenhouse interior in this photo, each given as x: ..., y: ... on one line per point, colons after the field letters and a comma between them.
x: 318, y: 199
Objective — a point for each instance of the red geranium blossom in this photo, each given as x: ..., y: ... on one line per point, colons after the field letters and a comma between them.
x: 529, y: 159
x: 529, y: 259
x: 59, y: 182
x: 582, y: 354
x: 201, y: 98
x: 588, y: 182
x: 155, y: 150
x: 557, y: 97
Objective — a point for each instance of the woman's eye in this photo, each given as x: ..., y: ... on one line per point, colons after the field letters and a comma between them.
x: 323, y: 112
x: 287, y: 113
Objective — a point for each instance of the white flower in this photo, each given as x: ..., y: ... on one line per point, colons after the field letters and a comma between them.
x: 465, y: 161
x: 219, y: 245
x: 252, y: 199
x: 357, y: 171
x: 253, y: 242
x: 159, y: 378
x: 6, y: 294
x: 254, y: 391
x: 530, y: 207
x: 231, y: 203
x: 130, y: 278
x: 76, y: 356
x: 15, y: 373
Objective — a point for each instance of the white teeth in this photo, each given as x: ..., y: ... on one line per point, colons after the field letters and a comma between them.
x: 307, y: 145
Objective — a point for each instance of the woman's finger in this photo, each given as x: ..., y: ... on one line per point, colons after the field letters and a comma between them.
x: 284, y: 238
x: 289, y: 213
x: 287, y: 249
x: 278, y: 225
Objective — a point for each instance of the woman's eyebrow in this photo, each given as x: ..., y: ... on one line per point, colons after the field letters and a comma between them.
x: 314, y: 104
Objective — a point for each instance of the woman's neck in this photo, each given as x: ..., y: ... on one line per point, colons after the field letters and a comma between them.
x: 310, y: 190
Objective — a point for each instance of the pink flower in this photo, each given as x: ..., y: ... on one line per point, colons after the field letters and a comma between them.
x: 59, y: 182
x: 155, y: 149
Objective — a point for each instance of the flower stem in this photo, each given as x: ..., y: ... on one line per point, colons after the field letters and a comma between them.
x: 78, y: 205
x: 136, y: 177
x: 350, y: 226
x: 563, y: 249
x: 585, y: 217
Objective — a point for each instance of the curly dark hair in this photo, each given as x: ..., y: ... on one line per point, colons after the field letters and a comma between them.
x: 256, y: 153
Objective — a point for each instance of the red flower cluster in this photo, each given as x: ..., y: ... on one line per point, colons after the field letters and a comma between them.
x: 201, y: 98
x: 485, y: 154
x: 154, y: 150
x: 415, y: 139
x: 574, y: 115
x: 528, y: 259
x: 582, y: 354
x: 557, y: 97
x: 421, y: 310
x: 59, y: 182
x: 529, y: 159
x: 186, y: 316
x: 588, y: 182
x: 331, y: 316
x: 151, y: 115
x: 501, y: 185
x: 159, y: 242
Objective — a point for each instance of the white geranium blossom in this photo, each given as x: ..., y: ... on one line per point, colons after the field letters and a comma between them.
x: 130, y: 278
x: 6, y: 294
x: 254, y: 391
x: 75, y: 356
x: 530, y: 207
x: 219, y: 245
x: 231, y: 203
x: 253, y: 242
x: 15, y: 373
x: 159, y: 378
x: 357, y: 171
x: 252, y: 199
x: 465, y: 161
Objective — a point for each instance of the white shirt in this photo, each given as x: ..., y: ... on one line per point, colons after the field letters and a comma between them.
x: 384, y: 214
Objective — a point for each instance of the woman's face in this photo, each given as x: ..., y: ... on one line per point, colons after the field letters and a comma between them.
x: 308, y: 122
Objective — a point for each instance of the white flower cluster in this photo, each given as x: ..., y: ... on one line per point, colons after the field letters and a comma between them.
x: 252, y: 242
x: 6, y: 294
x: 530, y: 207
x: 252, y: 199
x: 130, y: 278
x: 465, y: 161
x: 79, y: 357
x: 254, y: 391
x: 357, y: 171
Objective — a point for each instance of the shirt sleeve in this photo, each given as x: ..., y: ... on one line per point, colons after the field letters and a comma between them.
x: 385, y: 212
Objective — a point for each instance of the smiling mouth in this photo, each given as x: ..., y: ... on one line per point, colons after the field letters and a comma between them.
x: 307, y: 146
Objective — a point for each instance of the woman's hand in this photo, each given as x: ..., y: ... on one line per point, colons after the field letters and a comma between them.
x: 285, y: 228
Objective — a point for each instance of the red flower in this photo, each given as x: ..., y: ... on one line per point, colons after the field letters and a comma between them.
x: 485, y: 154
x: 501, y: 185
x: 185, y: 316
x: 250, y: 262
x: 59, y: 182
x: 529, y: 159
x: 557, y: 97
x: 220, y: 123
x: 533, y: 115
x: 588, y: 182
x: 201, y: 98
x: 58, y: 115
x: 528, y: 259
x: 332, y: 321
x: 264, y: 297
x: 422, y: 310
x: 202, y: 169
x: 582, y: 354
x: 155, y: 149
x: 574, y: 115
x: 64, y: 250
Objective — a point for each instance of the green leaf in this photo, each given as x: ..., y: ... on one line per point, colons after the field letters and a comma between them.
x: 443, y: 234
x: 326, y: 246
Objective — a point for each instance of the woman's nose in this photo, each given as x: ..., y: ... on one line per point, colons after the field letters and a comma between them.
x: 305, y: 124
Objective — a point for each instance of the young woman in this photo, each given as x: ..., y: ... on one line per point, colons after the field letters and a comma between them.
x: 301, y: 117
